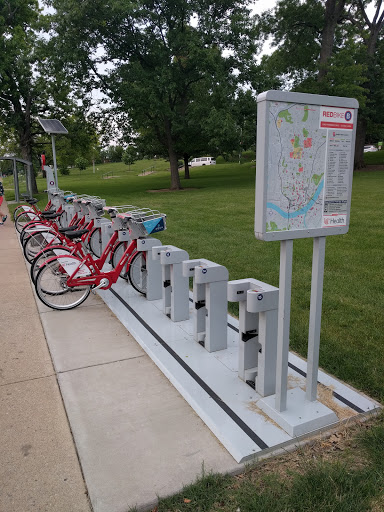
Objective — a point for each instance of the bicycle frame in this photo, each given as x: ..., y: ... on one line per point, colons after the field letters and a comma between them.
x: 97, y: 275
x: 52, y: 228
x: 33, y: 209
x: 76, y: 249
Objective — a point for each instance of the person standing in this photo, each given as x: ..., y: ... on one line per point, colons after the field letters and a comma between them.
x: 3, y: 217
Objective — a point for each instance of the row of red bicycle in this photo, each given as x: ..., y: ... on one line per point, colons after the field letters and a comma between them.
x: 65, y: 247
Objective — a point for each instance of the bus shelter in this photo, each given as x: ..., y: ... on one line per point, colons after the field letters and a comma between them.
x: 16, y: 181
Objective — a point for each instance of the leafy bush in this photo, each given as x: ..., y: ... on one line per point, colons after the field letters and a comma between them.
x: 81, y: 163
x: 64, y: 171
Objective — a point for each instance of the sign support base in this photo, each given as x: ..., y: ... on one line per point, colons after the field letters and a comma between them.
x: 301, y: 415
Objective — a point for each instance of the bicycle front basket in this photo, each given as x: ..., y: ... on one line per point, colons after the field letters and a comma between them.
x: 155, y: 225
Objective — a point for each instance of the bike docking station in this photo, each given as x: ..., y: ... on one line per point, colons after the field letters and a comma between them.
x: 258, y: 303
x: 238, y: 375
x: 175, y: 290
x: 210, y: 302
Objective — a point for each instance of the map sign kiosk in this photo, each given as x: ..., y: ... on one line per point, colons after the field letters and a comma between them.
x: 304, y: 168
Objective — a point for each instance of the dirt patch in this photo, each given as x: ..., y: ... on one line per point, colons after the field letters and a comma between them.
x: 172, y: 190
x: 325, y: 396
x: 331, y: 446
x: 110, y: 177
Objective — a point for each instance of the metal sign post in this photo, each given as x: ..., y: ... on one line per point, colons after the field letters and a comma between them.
x: 305, y: 152
x: 54, y: 157
x: 283, y: 323
x: 315, y: 317
x: 53, y: 127
x: 16, y: 181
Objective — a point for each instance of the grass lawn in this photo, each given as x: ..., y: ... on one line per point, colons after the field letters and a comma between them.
x: 374, y: 158
x: 344, y: 473
x: 213, y: 218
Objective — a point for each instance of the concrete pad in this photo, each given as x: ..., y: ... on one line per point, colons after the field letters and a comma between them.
x: 17, y: 297
x: 10, y: 256
x: 9, y: 269
x: 92, y: 300
x: 24, y: 353
x: 39, y: 469
x: 87, y: 336
x: 7, y: 242
x: 136, y: 436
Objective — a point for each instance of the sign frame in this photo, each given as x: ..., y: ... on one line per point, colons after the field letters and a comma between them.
x: 262, y: 170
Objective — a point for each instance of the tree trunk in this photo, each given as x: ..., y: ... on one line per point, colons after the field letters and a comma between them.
x: 26, y: 152
x: 361, y: 130
x: 175, y: 178
x: 173, y: 160
x: 333, y: 11
x: 375, y: 28
x: 186, y: 167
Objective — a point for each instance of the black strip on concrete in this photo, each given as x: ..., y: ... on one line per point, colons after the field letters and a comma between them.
x: 347, y: 402
x: 239, y: 422
x: 297, y: 370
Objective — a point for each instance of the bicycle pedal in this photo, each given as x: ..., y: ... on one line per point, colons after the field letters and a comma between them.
x: 103, y: 283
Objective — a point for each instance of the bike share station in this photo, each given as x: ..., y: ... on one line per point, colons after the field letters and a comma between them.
x: 27, y: 175
x: 238, y: 374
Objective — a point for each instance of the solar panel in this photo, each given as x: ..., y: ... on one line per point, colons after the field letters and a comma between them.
x: 52, y: 126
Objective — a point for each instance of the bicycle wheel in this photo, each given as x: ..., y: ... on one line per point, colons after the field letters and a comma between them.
x: 21, y: 209
x: 38, y: 241
x: 95, y: 242
x: 34, y: 225
x: 117, y: 253
x: 52, y: 289
x: 43, y: 256
x: 23, y: 218
x: 137, y: 272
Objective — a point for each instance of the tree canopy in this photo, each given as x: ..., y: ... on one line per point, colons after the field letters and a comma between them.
x: 31, y: 86
x: 180, y: 76
x: 331, y: 47
x: 171, y: 64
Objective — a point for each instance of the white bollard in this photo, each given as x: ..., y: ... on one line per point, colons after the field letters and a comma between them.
x: 175, y: 290
x: 258, y: 305
x: 210, y: 299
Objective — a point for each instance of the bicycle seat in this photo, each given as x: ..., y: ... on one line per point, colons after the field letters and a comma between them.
x: 50, y: 215
x: 68, y: 228
x: 76, y: 234
x: 26, y: 196
x: 31, y: 200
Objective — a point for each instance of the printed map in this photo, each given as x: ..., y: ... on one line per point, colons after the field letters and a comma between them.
x: 296, y: 163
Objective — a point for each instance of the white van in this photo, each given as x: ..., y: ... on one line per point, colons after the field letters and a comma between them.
x: 204, y: 160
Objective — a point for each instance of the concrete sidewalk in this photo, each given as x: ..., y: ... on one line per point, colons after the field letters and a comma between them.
x: 39, y: 467
x: 84, y: 411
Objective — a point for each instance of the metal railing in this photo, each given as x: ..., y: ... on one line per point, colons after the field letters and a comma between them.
x: 147, y: 170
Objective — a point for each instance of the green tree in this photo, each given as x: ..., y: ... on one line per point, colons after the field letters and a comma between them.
x: 161, y: 59
x: 339, y: 53
x: 130, y: 156
x: 81, y: 163
x: 28, y: 88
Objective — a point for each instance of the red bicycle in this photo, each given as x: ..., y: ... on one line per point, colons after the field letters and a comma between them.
x: 40, y: 236
x: 25, y: 214
x: 64, y: 282
x: 111, y: 252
